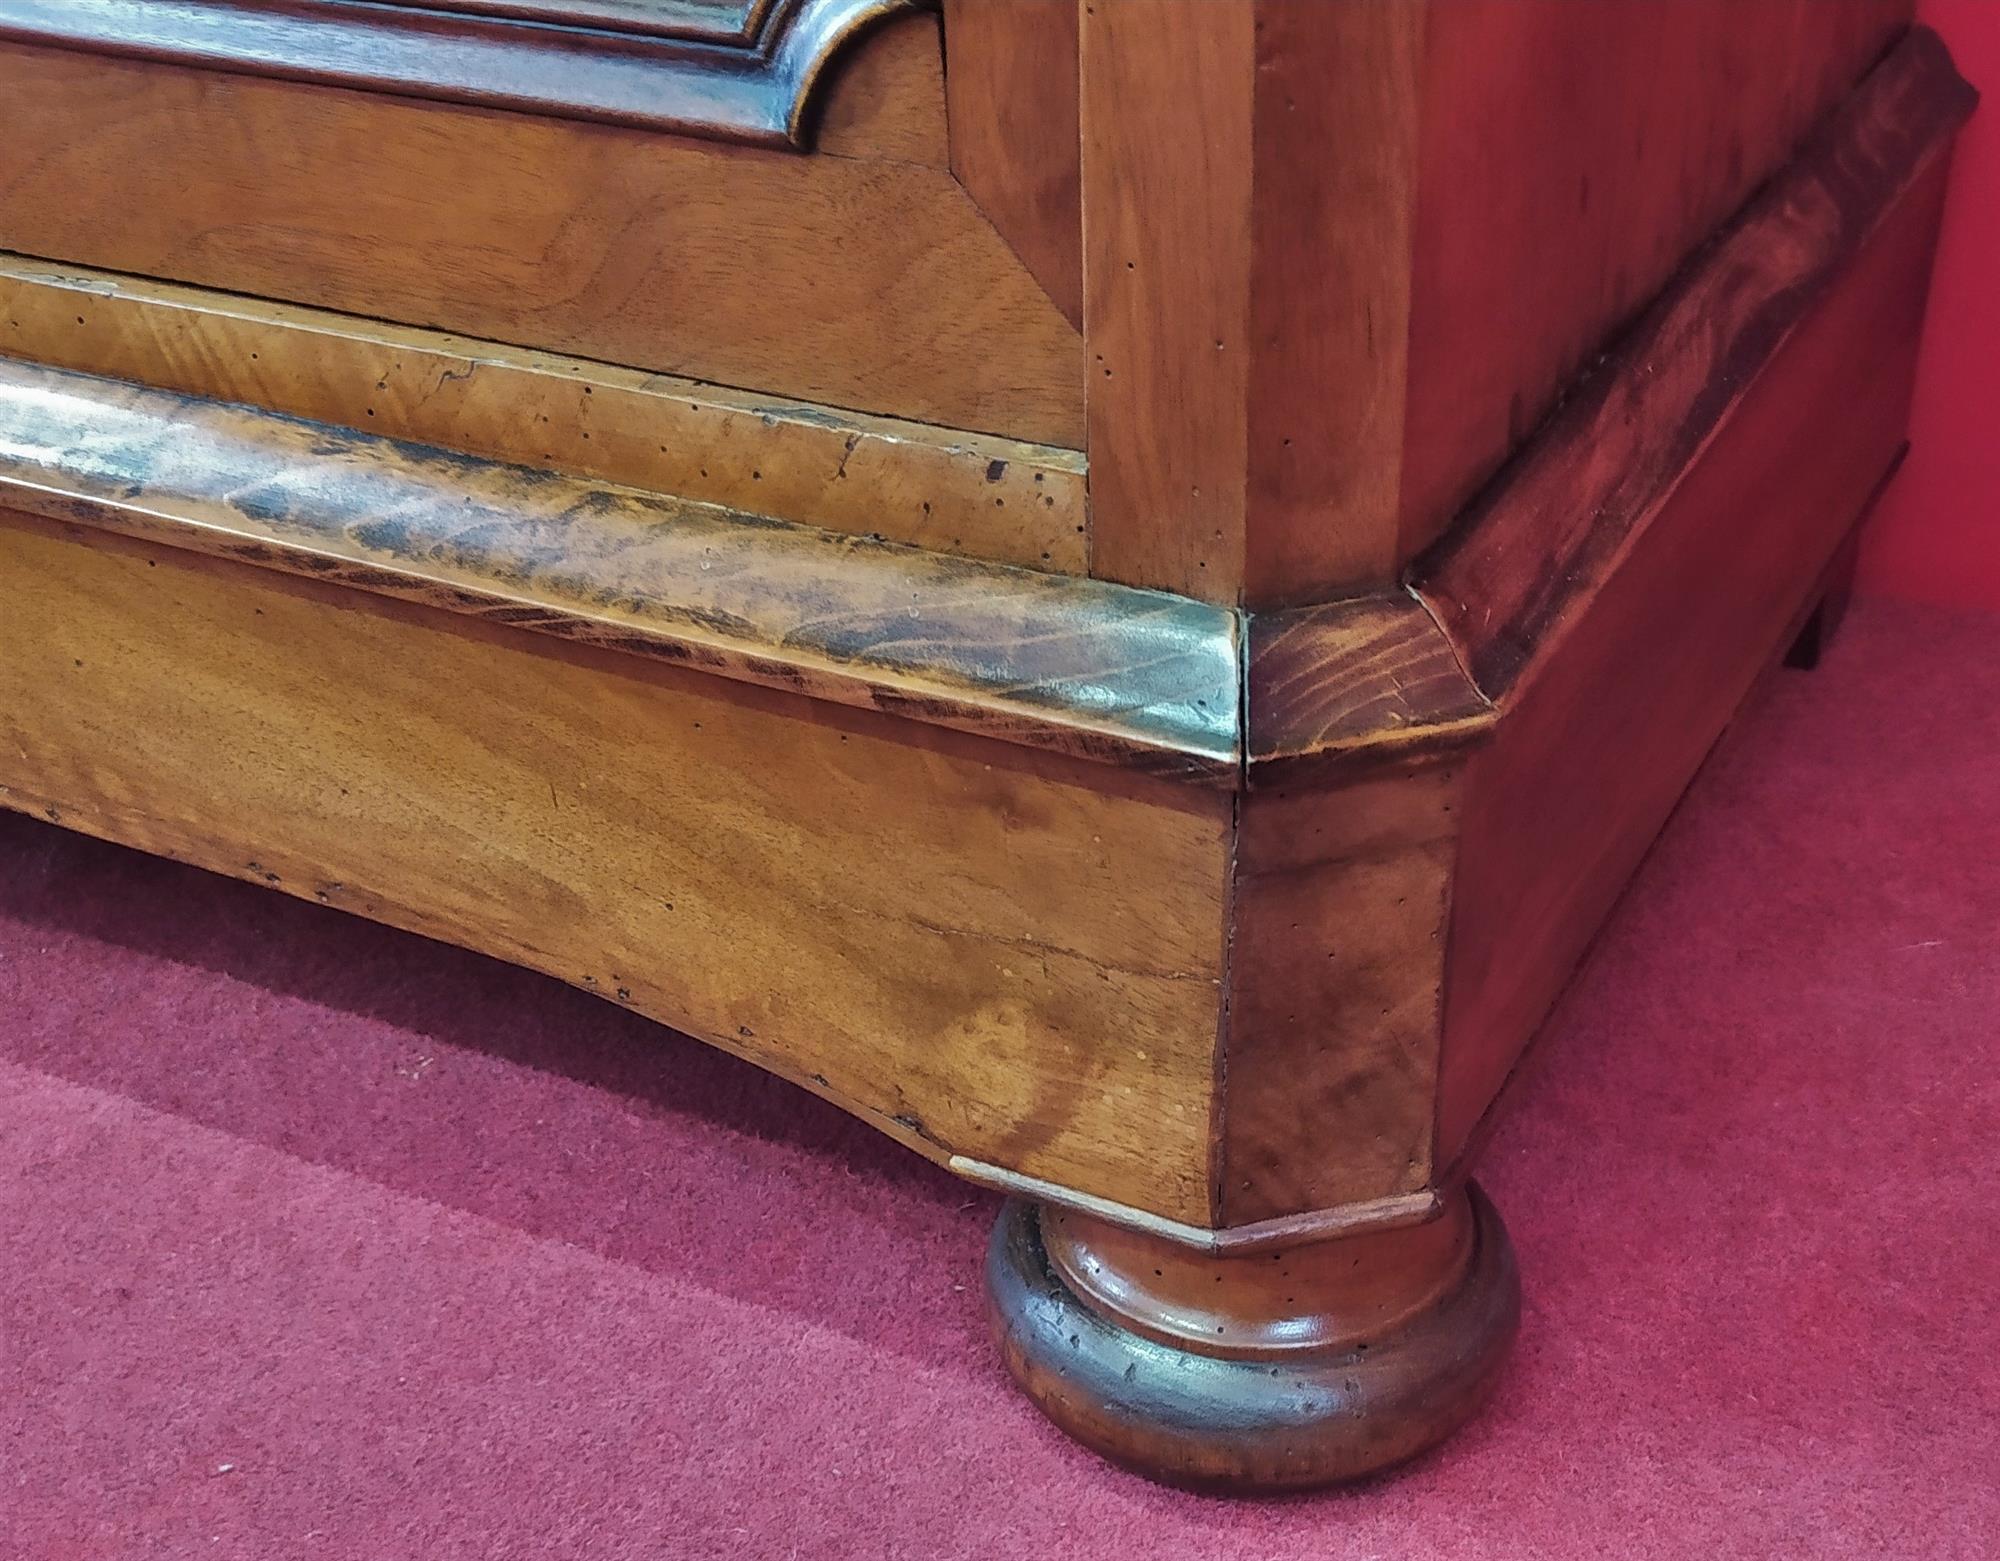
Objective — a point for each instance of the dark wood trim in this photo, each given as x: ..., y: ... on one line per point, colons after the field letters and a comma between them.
x: 1546, y: 535
x: 1061, y: 663
x: 740, y: 72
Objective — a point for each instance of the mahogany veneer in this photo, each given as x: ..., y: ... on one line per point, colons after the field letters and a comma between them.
x: 1115, y: 587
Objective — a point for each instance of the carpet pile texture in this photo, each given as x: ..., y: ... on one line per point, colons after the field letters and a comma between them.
x: 322, y: 1240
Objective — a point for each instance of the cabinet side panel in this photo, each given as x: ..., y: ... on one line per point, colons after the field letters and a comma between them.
x: 1573, y: 156
x: 1633, y: 686
x: 866, y: 283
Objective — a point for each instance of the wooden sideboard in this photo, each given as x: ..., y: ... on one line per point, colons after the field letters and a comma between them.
x: 1116, y: 586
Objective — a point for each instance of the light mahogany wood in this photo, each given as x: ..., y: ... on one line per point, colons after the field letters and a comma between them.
x: 1353, y: 742
x: 1166, y: 269
x: 1015, y: 134
x: 885, y: 97
x: 1073, y: 666
x: 968, y: 494
x: 734, y: 69
x: 1337, y: 924
x: 866, y: 283
x: 1048, y: 1003
x: 1209, y: 919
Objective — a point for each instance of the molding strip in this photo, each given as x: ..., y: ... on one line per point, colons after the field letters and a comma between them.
x: 1069, y: 665
x: 1292, y: 1230
x: 737, y: 70
x: 901, y: 481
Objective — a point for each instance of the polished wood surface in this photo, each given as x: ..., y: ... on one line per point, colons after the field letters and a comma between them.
x: 741, y: 70
x: 1042, y: 743
x: 869, y: 283
x: 967, y: 494
x: 1165, y: 269
x: 884, y: 96
x: 1389, y: 830
x: 1340, y: 259
x: 1335, y: 690
x: 981, y: 952
x: 1646, y: 125
x: 1131, y: 678
x: 1016, y: 134
x: 1270, y: 1372
x: 1337, y: 960
x: 1706, y: 480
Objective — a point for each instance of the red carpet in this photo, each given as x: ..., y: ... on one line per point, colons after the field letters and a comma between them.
x: 319, y: 1240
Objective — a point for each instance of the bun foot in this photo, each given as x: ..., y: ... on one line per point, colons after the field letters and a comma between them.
x: 1274, y: 1370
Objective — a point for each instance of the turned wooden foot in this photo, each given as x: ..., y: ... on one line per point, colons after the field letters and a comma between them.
x: 1267, y: 1371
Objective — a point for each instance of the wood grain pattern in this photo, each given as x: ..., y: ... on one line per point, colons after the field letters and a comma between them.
x: 1335, y: 688
x: 1191, y: 1008
x: 1248, y: 196
x: 1327, y: 1095
x: 1012, y: 90
x: 1167, y: 106
x: 1341, y: 258
x: 883, y: 96
x: 1337, y: 175
x: 969, y: 494
x: 1619, y: 593
x: 1072, y: 665
x: 1285, y: 1370
x: 874, y: 285
x: 741, y: 72
x: 979, y: 954
x: 1572, y: 157
x: 1539, y: 546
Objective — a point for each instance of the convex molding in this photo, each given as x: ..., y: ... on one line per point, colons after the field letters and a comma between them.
x: 739, y: 70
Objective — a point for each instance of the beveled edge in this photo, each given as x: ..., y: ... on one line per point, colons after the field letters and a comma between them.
x: 333, y: 367
x: 1352, y: 684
